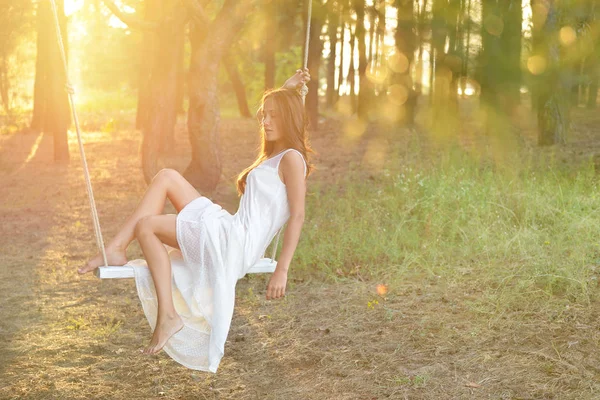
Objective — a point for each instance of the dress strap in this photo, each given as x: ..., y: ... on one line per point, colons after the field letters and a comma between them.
x: 280, y: 156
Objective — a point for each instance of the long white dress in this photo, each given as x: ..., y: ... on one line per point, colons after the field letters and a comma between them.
x: 217, y: 249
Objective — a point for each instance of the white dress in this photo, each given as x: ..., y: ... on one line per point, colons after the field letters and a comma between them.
x: 218, y: 249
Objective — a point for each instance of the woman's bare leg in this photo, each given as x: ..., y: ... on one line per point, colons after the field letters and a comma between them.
x: 167, y: 183
x: 151, y: 233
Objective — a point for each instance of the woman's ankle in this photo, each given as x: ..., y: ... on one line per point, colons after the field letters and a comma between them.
x: 168, y: 315
x: 117, y: 247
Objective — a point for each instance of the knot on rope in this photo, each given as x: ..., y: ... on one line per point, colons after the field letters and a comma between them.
x: 69, y: 88
x: 304, y: 90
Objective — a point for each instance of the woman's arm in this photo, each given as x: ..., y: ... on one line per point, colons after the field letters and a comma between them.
x: 292, y: 167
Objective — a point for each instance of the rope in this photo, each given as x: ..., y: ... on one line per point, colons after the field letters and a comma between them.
x: 307, y: 33
x: 71, y: 92
x: 303, y: 92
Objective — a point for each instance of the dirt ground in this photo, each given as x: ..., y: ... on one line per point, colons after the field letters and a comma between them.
x: 65, y: 336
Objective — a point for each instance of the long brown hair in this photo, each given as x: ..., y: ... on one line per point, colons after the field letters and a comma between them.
x: 292, y: 121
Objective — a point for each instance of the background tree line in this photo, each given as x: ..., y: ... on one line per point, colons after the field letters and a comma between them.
x: 377, y: 60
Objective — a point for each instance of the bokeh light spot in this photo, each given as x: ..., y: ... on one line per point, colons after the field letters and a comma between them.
x: 468, y: 87
x: 567, y: 35
x: 376, y: 73
x: 494, y: 25
x: 354, y: 129
x: 536, y: 65
x: 398, y: 62
x: 397, y: 94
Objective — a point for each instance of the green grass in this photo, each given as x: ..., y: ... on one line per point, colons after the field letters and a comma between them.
x: 526, y: 235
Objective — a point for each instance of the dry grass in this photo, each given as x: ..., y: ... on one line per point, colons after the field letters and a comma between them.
x: 65, y: 336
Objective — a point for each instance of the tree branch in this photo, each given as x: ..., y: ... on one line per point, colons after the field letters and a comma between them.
x: 129, y: 19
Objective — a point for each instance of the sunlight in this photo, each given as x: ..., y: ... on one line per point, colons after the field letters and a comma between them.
x: 72, y: 6
x: 32, y: 152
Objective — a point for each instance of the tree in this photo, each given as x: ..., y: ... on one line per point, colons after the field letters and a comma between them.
x: 210, y: 41
x: 238, y: 85
x: 269, y: 47
x: 15, y: 21
x: 315, y: 49
x: 551, y: 89
x: 406, y: 44
x: 158, y: 94
x: 365, y: 90
x: 333, y: 17
x: 501, y: 58
x: 50, y: 100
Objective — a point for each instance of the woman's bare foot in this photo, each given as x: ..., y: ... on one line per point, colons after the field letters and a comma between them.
x: 114, y: 256
x: 165, y: 328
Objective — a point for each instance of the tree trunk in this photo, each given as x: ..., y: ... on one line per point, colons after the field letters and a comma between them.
x: 593, y: 66
x: 51, y: 112
x: 371, y: 14
x: 332, y: 28
x: 149, y: 48
x: 159, y: 124
x: 439, y: 32
x: 380, y: 32
x: 452, y: 62
x: 365, y: 86
x: 315, y: 50
x: 511, y: 44
x: 593, y: 88
x: 209, y: 44
x: 173, y: 83
x: 406, y: 43
x: 341, y: 67
x: 552, y: 98
x: 500, y: 64
x: 421, y: 40
x: 181, y: 78
x: 465, y: 64
x: 4, y: 84
x: 269, y: 49
x: 352, y: 72
x: 40, y: 86
x: 238, y: 85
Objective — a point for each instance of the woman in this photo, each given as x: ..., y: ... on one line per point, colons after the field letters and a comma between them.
x: 190, y: 304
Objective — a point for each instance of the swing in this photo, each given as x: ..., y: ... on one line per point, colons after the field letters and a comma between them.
x: 264, y: 265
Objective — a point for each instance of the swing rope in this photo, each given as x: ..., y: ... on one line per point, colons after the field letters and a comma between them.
x: 71, y: 93
x: 303, y: 93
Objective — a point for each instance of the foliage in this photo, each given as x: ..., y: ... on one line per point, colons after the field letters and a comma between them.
x: 16, y: 27
x: 517, y: 231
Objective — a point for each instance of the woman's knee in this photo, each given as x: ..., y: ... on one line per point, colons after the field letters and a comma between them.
x: 144, y: 226
x: 166, y: 175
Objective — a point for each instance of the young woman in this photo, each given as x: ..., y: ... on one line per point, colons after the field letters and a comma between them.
x: 190, y: 304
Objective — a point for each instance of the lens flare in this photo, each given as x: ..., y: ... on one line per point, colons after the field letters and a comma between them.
x: 398, y: 62
x: 355, y: 129
x: 536, y: 65
x: 376, y: 74
x: 397, y: 94
x: 567, y: 35
x: 494, y: 25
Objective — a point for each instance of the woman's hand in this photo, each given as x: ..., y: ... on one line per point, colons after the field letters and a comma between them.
x: 300, y: 78
x: 276, y: 286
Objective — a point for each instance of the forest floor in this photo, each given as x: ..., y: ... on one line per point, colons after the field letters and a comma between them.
x: 67, y: 336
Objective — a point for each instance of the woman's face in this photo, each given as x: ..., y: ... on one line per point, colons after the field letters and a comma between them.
x: 270, y: 119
